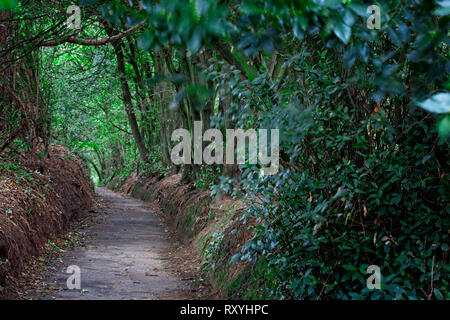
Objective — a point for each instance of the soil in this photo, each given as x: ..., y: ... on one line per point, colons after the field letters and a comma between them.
x: 38, y: 203
x: 127, y: 254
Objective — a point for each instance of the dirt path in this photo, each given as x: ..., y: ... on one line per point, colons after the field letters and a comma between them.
x: 125, y: 257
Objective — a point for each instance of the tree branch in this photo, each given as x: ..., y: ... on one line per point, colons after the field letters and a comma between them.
x: 91, y: 42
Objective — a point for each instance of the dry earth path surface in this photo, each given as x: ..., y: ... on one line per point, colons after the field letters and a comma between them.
x: 125, y: 257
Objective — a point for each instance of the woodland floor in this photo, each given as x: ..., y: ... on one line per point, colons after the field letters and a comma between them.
x: 127, y: 254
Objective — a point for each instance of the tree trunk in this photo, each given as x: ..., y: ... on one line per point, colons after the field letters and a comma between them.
x: 129, y: 109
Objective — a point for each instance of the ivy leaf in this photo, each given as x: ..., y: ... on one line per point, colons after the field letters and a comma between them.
x: 349, y: 57
x: 439, y: 103
x: 202, y: 6
x: 350, y: 267
x: 343, y: 32
x: 444, y: 127
x: 298, y: 32
x: 267, y: 45
x: 235, y: 257
x: 195, y: 41
x: 438, y: 294
x: 445, y: 8
x: 146, y: 40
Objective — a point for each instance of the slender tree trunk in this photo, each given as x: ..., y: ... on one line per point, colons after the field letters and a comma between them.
x: 129, y: 109
x: 164, y: 99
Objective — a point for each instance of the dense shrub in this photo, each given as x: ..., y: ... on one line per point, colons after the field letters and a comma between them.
x: 356, y: 204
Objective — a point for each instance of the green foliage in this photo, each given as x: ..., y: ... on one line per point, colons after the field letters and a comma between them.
x: 16, y: 171
x: 207, y: 177
x: 212, y: 251
x: 444, y: 127
x: 371, y: 191
x: 190, y: 24
x: 87, y: 113
x: 363, y: 116
x: 363, y: 176
x: 8, y: 4
x: 331, y: 221
x: 439, y: 103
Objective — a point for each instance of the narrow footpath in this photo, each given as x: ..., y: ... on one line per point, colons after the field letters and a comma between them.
x: 125, y: 257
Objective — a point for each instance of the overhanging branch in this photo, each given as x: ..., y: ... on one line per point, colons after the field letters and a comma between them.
x: 90, y: 42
